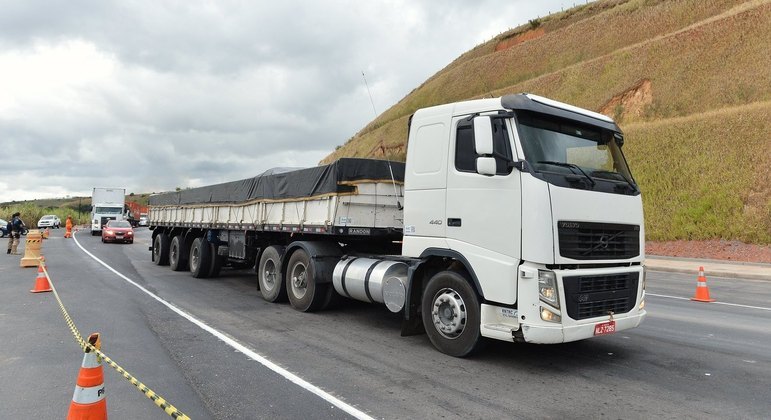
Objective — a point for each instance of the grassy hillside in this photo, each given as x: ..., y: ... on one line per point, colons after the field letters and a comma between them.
x: 689, y: 81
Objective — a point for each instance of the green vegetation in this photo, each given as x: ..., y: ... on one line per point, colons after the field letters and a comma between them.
x: 699, y: 133
x: 31, y: 213
x: 705, y: 176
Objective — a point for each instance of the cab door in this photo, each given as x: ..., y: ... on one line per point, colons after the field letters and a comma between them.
x: 483, y: 212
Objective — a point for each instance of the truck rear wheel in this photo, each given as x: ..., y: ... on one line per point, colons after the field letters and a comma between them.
x: 177, y: 254
x: 451, y: 314
x: 161, y: 249
x: 269, y: 274
x: 200, y: 258
x: 304, y: 294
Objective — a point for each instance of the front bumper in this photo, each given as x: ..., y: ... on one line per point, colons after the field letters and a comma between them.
x: 616, y: 291
x: 546, y: 334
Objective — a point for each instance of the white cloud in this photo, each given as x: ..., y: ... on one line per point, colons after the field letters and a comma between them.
x: 156, y: 95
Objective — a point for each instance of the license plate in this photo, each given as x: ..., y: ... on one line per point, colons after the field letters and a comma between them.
x: 605, y: 328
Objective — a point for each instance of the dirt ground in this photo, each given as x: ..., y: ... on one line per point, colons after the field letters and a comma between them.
x: 712, y: 249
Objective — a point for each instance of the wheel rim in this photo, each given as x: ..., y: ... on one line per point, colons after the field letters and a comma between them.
x: 156, y: 247
x: 174, y: 251
x: 449, y: 313
x: 299, y: 280
x: 195, y: 257
x: 269, y: 274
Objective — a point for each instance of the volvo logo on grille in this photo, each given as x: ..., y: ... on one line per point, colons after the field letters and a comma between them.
x: 604, y: 241
x: 569, y: 225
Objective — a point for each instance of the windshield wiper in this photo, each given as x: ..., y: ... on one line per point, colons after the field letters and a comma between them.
x: 570, y: 166
x: 617, y: 174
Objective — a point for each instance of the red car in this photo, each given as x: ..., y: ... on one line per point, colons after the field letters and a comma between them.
x: 118, y: 231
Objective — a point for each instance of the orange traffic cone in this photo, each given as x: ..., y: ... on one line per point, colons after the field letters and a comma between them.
x: 46, y: 233
x: 702, y: 291
x: 88, y: 401
x: 41, y: 283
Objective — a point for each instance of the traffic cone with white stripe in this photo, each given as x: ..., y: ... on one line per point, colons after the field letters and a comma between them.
x: 702, y: 291
x: 41, y: 283
x: 88, y: 401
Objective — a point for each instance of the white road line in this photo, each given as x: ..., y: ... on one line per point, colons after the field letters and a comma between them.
x: 717, y: 303
x: 240, y: 347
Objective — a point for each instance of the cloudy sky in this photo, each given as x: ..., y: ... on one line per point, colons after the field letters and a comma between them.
x: 154, y: 95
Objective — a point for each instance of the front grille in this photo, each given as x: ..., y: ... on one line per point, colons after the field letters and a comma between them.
x: 598, y: 241
x: 592, y: 296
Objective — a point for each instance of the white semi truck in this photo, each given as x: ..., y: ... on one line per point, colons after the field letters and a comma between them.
x: 514, y: 218
x: 106, y: 204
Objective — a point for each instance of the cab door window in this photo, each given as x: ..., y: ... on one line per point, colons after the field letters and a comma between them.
x: 465, y: 154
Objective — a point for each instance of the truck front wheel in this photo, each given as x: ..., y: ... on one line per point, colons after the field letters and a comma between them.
x: 451, y: 314
x: 269, y: 274
x: 200, y: 258
x: 161, y: 249
x: 304, y: 294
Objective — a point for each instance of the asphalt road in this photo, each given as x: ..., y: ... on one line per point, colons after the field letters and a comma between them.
x: 687, y: 360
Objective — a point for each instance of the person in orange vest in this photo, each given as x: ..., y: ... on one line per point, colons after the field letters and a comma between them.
x: 68, y: 226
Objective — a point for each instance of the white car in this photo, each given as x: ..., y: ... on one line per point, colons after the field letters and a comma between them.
x: 49, y: 220
x: 142, y: 221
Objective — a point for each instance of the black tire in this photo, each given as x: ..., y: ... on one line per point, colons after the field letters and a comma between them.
x: 102, y: 239
x: 161, y: 249
x: 451, y: 314
x: 301, y: 288
x: 94, y: 233
x: 217, y: 262
x: 269, y: 278
x: 200, y: 258
x: 178, y: 255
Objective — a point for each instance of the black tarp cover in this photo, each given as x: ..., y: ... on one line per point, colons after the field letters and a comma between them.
x: 295, y: 184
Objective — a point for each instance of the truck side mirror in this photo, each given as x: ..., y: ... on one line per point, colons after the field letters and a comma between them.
x: 483, y: 136
x: 486, y: 166
x: 483, y: 145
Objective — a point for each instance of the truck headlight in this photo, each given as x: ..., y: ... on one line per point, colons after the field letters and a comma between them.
x: 547, y: 288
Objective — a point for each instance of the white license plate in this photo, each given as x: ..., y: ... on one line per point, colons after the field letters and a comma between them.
x: 605, y: 328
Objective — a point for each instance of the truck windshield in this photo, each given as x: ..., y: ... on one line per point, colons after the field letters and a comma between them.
x: 574, y: 155
x: 108, y: 210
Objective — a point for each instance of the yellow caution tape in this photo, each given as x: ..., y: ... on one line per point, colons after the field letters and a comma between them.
x: 157, y: 399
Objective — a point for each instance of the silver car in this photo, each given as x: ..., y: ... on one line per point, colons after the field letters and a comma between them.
x: 50, y: 221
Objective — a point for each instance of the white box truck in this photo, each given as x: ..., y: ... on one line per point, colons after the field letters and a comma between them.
x: 106, y: 204
x: 515, y: 218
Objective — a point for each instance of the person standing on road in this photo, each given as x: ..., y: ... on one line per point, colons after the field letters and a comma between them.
x: 9, y: 229
x: 17, y: 226
x: 68, y: 226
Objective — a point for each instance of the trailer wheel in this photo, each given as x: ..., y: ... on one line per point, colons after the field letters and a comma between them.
x: 217, y: 262
x: 161, y: 249
x: 269, y: 274
x: 200, y: 258
x: 304, y: 294
x: 177, y: 255
x: 451, y: 314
